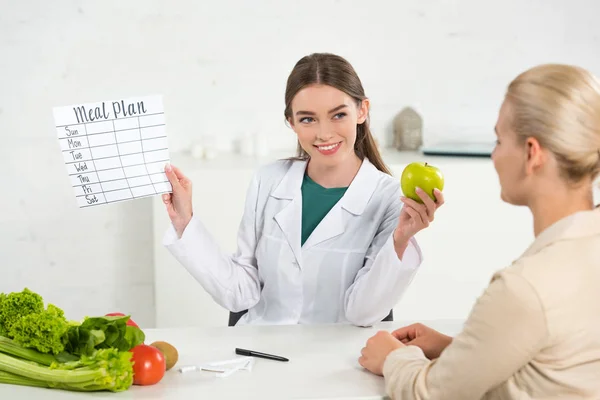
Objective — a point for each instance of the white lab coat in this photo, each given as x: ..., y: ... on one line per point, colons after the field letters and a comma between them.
x: 346, y: 272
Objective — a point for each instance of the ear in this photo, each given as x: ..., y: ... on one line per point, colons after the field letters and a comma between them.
x: 363, y: 111
x: 536, y: 157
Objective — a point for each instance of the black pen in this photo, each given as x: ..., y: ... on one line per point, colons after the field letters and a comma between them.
x: 250, y: 353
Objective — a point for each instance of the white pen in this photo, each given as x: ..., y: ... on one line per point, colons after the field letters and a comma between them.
x: 244, y: 363
x: 190, y: 368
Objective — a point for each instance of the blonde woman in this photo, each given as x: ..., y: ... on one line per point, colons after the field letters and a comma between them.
x: 535, y: 331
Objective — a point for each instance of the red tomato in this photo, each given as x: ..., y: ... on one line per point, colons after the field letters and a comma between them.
x: 149, y: 365
x: 118, y: 314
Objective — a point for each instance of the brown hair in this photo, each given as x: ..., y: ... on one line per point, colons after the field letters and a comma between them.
x: 333, y: 70
x: 559, y: 105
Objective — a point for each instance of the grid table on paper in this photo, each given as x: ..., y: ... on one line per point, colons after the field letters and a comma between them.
x: 115, y: 160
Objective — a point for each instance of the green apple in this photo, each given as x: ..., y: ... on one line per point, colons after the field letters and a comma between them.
x: 421, y: 175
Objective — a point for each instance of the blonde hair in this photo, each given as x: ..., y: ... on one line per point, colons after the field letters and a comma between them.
x: 559, y: 105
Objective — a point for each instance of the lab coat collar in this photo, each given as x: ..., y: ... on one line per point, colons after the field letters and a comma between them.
x: 575, y: 226
x: 354, y: 201
x: 290, y: 185
x: 361, y: 189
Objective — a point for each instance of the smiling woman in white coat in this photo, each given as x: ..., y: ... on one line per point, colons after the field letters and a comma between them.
x: 326, y: 236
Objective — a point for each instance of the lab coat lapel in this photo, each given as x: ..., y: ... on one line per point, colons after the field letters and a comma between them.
x: 289, y: 218
x: 354, y: 202
x: 331, y: 225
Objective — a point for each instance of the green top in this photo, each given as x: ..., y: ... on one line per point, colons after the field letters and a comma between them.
x: 316, y: 203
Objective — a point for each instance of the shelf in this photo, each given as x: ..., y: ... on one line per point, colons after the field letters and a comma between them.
x: 227, y: 160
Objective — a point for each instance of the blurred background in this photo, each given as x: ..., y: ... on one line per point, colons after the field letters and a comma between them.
x: 221, y: 67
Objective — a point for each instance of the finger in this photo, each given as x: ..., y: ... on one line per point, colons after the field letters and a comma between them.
x: 418, y: 341
x: 179, y: 174
x: 362, y: 361
x: 439, y: 197
x: 424, y: 217
x: 412, y: 203
x: 413, y: 213
x: 184, y: 181
x: 168, y: 201
x: 429, y: 204
x: 169, y: 206
x: 363, y: 352
x: 172, y: 177
x: 406, y: 333
x: 420, y: 208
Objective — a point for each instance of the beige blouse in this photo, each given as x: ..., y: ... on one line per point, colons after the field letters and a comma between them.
x: 533, y: 334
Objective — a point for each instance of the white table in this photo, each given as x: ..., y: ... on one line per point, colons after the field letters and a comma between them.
x: 323, y: 365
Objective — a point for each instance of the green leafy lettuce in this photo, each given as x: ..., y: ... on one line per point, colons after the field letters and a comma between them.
x: 24, y: 319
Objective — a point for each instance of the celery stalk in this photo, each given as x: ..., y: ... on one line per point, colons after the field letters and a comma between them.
x: 106, y: 369
x: 9, y: 347
x: 12, y: 379
x: 29, y: 370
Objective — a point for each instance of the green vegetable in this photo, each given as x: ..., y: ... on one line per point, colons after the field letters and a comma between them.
x: 106, y: 369
x: 44, y: 331
x: 14, y: 306
x: 24, y: 319
x: 2, y: 330
x: 102, y: 333
x: 12, y: 379
x: 12, y: 348
x: 39, y: 347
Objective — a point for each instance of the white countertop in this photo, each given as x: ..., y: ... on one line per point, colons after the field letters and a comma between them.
x: 323, y: 365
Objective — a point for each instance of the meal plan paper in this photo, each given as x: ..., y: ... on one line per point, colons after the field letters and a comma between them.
x: 114, y: 150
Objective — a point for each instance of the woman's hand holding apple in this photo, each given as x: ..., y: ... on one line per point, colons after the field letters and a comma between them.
x: 417, y: 215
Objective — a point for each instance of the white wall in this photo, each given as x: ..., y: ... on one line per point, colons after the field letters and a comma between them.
x: 221, y: 67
